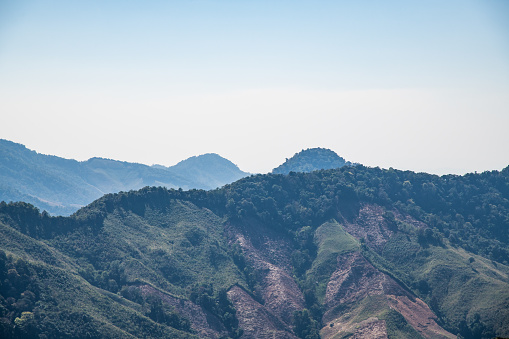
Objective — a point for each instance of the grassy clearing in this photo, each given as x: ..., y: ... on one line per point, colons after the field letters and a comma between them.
x: 331, y: 240
x: 456, y: 284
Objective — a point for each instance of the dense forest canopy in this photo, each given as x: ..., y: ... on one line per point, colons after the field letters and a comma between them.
x: 311, y: 159
x: 471, y: 211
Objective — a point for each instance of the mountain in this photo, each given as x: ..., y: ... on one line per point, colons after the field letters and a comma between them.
x: 208, y: 171
x: 312, y: 159
x: 61, y: 186
x: 351, y: 252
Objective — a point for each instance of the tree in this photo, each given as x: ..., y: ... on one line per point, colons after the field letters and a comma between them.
x: 305, y: 327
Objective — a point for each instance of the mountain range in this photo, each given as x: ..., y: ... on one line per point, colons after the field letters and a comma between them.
x: 61, y: 186
x: 351, y: 252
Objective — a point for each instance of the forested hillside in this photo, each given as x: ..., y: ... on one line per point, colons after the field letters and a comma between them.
x: 61, y: 186
x: 355, y: 251
x: 311, y: 159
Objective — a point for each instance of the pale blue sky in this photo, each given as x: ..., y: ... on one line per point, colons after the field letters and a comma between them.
x: 420, y: 85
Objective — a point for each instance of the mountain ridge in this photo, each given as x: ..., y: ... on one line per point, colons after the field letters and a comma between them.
x: 60, y: 185
x: 354, y: 251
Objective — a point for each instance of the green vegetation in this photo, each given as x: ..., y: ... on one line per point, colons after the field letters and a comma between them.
x: 370, y: 306
x: 133, y: 263
x: 305, y: 326
x: 171, y: 250
x: 218, y: 305
x: 38, y: 299
x: 331, y: 240
x: 397, y: 326
x: 455, y: 287
x: 311, y: 159
x: 469, y: 211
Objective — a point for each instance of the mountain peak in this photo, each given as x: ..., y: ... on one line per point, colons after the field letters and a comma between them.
x: 207, y: 160
x: 311, y: 159
x: 60, y: 185
x: 211, y: 169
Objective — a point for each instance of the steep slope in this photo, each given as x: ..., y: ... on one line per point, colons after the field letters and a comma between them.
x: 139, y: 277
x: 311, y: 159
x: 61, y: 186
x: 44, y: 293
x: 352, y: 252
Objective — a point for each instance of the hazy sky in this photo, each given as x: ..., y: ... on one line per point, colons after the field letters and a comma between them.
x: 419, y: 85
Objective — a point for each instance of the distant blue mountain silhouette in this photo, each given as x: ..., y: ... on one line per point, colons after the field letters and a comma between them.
x: 61, y: 186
